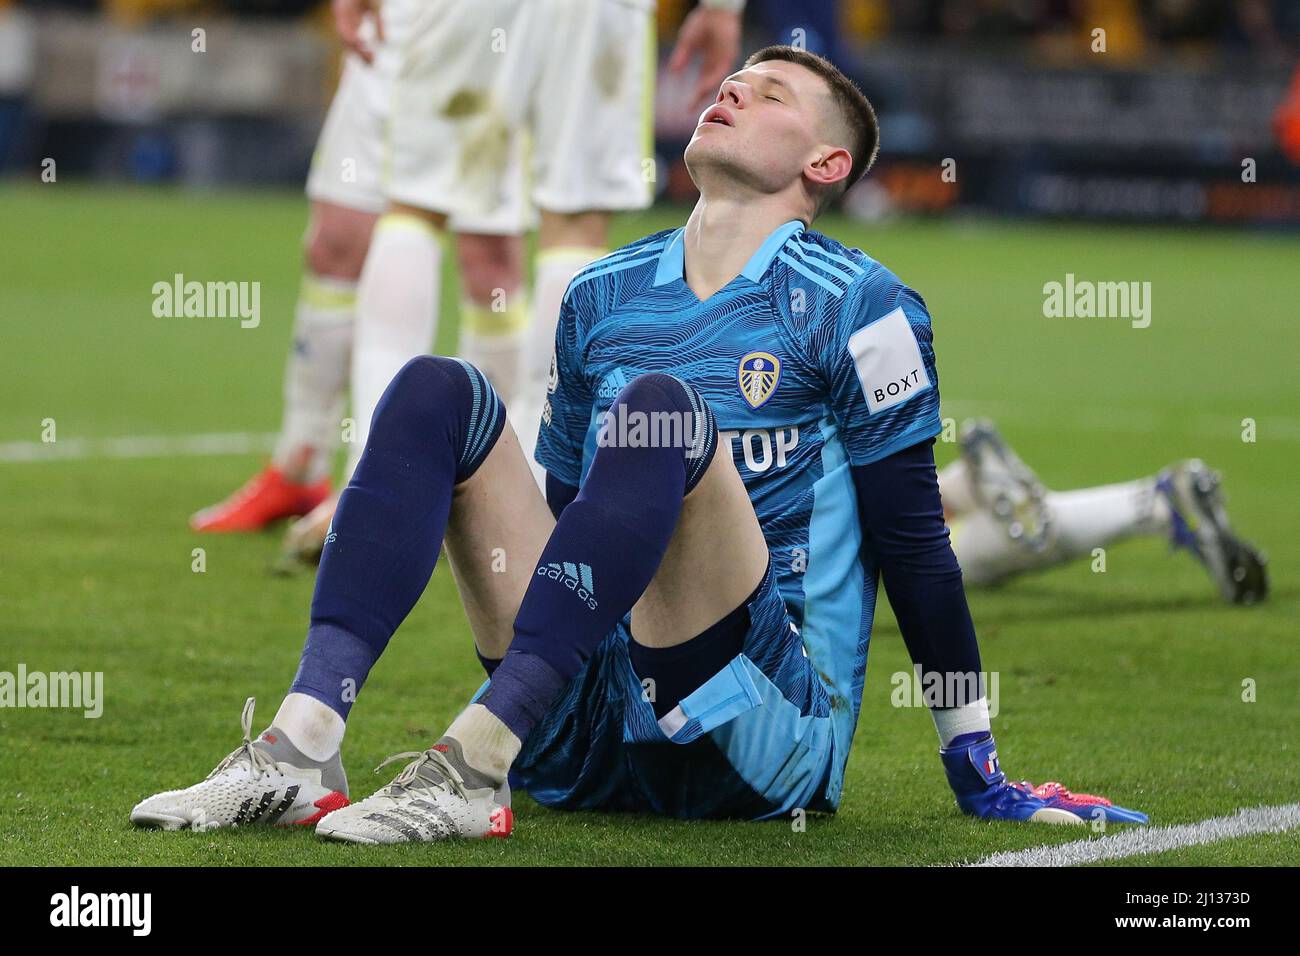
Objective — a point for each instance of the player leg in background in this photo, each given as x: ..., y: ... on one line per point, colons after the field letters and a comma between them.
x: 664, y: 530
x: 439, y: 164
x: 1004, y: 522
x: 441, y: 461
x: 592, y: 150
x: 315, y: 378
x: 397, y: 317
x: 565, y: 243
x: 494, y: 311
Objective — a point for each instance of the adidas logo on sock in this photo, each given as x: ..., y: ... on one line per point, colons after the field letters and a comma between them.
x: 576, y: 577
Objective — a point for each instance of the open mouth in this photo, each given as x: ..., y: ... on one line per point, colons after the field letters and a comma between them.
x: 718, y: 115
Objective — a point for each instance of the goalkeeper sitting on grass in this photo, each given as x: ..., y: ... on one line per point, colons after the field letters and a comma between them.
x: 738, y: 439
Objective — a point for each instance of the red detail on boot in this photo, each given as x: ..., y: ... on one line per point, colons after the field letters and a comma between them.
x: 326, y: 804
x: 268, y: 496
x: 502, y: 822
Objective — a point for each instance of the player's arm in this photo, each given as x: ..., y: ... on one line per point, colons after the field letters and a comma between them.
x: 711, y: 34
x: 349, y: 15
x: 885, y: 394
x: 567, y: 411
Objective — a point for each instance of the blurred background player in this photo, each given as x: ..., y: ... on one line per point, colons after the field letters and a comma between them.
x: 591, y: 117
x: 484, y: 79
x: 1005, y: 522
x: 344, y: 332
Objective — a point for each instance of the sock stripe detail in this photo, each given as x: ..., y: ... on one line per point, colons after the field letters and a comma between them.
x: 705, y: 436
x: 486, y: 419
x: 405, y: 222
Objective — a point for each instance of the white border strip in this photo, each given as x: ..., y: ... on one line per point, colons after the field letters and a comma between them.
x: 1141, y: 840
x: 136, y: 446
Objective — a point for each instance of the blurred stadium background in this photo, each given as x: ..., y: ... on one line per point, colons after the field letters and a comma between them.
x: 1171, y: 157
x: 1153, y: 128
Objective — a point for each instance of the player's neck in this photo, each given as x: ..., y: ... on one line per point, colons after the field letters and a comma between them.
x: 722, y: 235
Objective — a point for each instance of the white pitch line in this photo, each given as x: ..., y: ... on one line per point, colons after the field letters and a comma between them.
x: 1142, y: 840
x: 136, y: 446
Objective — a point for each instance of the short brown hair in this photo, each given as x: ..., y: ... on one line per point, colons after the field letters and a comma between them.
x: 852, y: 103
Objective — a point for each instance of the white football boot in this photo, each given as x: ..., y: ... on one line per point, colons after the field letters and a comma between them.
x: 1199, y: 522
x: 1005, y: 485
x: 436, y: 797
x: 265, y: 781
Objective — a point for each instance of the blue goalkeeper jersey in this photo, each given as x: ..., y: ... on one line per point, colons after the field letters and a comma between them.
x: 816, y: 357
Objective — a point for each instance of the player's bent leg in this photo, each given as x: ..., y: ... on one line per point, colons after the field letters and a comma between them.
x: 499, y: 524
x: 315, y: 379
x: 709, y: 706
x: 716, y: 557
x: 435, y: 425
x: 598, y: 560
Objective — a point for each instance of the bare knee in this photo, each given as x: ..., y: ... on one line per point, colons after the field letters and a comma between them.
x: 589, y: 228
x: 490, y: 265
x: 337, y: 240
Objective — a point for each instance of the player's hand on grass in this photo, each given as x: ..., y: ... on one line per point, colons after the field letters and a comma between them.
x: 983, y: 791
x: 349, y: 16
x: 712, y: 36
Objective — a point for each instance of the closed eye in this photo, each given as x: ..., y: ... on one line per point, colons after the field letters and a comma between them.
x: 771, y: 97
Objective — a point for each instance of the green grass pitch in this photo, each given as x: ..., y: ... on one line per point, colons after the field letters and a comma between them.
x: 1127, y: 683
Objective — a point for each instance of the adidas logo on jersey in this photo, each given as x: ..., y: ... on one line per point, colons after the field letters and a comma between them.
x: 612, y: 384
x: 576, y: 577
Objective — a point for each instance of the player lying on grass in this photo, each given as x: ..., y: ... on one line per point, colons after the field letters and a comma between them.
x: 684, y: 630
x: 1004, y: 522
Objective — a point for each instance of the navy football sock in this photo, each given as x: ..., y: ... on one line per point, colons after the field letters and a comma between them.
x: 653, y: 447
x: 433, y: 427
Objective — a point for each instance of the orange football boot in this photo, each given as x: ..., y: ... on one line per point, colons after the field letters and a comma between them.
x: 268, y: 496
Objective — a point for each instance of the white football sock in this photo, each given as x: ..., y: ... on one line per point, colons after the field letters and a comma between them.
x: 967, y: 719
x: 1081, y: 520
x: 985, y: 552
x: 316, y: 377
x: 397, y: 313
x: 553, y: 270
x: 312, y: 727
x: 955, y: 489
x: 488, y: 745
x: 493, y: 339
x: 1088, y: 518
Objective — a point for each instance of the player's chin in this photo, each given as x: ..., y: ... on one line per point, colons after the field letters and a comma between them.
x: 705, y: 150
